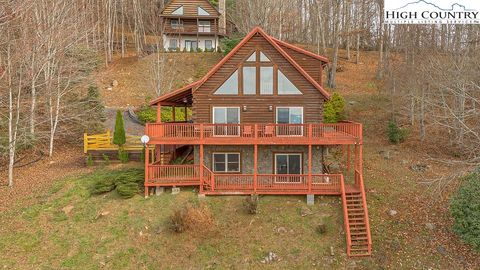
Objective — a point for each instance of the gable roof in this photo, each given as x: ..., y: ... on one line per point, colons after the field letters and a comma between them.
x: 302, y: 51
x: 190, y: 8
x: 189, y: 89
x: 258, y: 30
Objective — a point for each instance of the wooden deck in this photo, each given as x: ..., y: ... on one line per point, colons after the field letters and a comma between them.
x: 249, y: 134
x: 217, y: 184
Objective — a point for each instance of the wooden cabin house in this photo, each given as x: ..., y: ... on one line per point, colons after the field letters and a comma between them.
x: 192, y: 24
x: 256, y: 128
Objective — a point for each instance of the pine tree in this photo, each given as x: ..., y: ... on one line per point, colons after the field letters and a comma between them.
x: 119, y: 137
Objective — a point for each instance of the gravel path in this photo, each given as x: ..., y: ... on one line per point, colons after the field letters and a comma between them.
x: 131, y: 127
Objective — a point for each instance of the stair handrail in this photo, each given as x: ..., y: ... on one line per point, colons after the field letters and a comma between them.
x: 210, y: 173
x: 345, y: 214
x: 365, y: 208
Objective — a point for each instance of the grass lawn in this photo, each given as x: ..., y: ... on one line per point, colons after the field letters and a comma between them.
x: 106, y: 231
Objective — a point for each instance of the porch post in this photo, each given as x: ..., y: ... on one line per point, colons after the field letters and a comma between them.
x: 186, y: 114
x: 201, y: 169
x: 356, y: 161
x: 159, y: 113
x: 146, y: 169
x: 198, y: 29
x: 309, y: 168
x: 348, y: 158
x: 173, y: 114
x: 255, y: 167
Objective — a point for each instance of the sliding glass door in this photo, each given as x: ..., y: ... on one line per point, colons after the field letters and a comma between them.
x: 229, y: 117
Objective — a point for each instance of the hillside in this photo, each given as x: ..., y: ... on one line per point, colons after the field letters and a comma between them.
x: 134, y: 76
x: 419, y: 236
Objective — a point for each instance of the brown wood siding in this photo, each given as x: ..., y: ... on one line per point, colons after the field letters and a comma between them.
x: 189, y: 7
x: 311, y: 65
x: 189, y: 26
x: 257, y: 105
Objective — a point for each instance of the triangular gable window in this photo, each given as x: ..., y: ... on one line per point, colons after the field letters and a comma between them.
x: 263, y: 57
x: 230, y: 86
x: 178, y: 11
x: 285, y: 86
x: 202, y: 12
x: 252, y: 57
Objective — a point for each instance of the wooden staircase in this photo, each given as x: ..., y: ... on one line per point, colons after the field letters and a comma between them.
x: 357, y: 221
x: 357, y: 228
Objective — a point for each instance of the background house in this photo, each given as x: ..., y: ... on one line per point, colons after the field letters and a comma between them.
x: 192, y: 24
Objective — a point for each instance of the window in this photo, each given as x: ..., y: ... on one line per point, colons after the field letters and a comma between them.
x: 202, y: 11
x: 178, y: 11
x: 226, y: 162
x: 252, y: 57
x: 191, y: 45
x: 288, y: 164
x: 249, y: 80
x: 204, y: 26
x: 289, y: 115
x: 266, y: 80
x: 230, y: 86
x: 285, y: 86
x: 226, y: 115
x: 208, y: 45
x: 263, y: 57
x: 230, y: 116
x: 176, y: 24
x: 173, y: 44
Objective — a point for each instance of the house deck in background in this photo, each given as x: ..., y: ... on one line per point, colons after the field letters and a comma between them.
x: 257, y: 128
x: 192, y: 24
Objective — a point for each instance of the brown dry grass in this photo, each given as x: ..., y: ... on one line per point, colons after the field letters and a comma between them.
x: 196, y: 217
x: 134, y: 76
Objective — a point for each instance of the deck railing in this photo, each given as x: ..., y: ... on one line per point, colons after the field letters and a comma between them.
x: 274, y: 183
x: 180, y: 174
x: 361, y: 185
x: 251, y: 132
x: 345, y: 214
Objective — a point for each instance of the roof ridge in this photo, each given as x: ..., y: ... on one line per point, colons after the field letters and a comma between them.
x: 301, y: 50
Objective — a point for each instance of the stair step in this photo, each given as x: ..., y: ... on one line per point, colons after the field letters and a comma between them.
x: 357, y: 233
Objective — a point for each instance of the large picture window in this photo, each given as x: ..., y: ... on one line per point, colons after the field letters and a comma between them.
x: 266, y: 80
x: 249, y: 80
x: 226, y: 162
x: 285, y: 86
x: 230, y: 86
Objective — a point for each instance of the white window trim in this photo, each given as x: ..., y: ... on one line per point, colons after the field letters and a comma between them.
x: 301, y: 167
x: 226, y: 161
